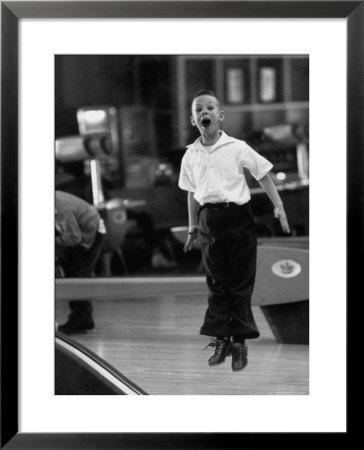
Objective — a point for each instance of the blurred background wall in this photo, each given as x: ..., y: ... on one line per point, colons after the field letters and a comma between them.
x: 257, y: 91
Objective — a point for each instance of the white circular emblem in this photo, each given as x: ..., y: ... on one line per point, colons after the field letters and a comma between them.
x: 286, y: 268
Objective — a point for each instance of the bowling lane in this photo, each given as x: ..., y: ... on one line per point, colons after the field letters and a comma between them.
x: 155, y: 343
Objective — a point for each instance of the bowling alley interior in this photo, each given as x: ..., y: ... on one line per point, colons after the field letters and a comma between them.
x: 122, y: 124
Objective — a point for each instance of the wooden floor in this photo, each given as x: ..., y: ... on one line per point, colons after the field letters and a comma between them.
x: 155, y: 343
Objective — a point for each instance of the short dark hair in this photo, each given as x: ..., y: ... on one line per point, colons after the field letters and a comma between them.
x: 206, y: 92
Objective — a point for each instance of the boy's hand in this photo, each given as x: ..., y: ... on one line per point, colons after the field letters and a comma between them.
x: 191, y: 239
x: 280, y: 214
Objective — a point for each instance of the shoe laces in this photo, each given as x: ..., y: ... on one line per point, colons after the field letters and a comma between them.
x: 217, y: 344
x: 238, y: 349
x: 210, y: 344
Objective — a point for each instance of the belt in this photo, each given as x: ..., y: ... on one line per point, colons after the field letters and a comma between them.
x: 219, y: 205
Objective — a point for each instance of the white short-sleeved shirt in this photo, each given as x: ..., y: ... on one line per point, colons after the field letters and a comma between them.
x: 215, y: 173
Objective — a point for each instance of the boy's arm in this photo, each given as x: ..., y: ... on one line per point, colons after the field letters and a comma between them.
x: 193, y: 206
x: 272, y: 192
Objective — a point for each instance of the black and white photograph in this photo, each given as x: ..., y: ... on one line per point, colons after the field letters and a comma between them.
x: 182, y: 224
x: 181, y: 221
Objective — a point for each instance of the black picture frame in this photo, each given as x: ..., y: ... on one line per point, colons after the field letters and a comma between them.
x: 11, y: 13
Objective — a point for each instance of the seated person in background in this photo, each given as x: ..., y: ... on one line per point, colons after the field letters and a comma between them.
x: 79, y: 233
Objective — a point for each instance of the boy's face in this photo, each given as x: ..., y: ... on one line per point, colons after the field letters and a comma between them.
x: 206, y: 113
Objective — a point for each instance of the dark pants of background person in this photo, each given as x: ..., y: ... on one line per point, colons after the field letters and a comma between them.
x: 78, y: 262
x: 228, y: 241
x: 151, y: 235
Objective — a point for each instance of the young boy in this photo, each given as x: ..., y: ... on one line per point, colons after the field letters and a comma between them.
x: 220, y: 216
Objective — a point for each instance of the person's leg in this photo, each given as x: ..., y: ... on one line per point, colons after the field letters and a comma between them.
x: 214, y: 250
x: 214, y: 245
x: 80, y: 318
x: 241, y: 284
x: 242, y: 263
x: 81, y: 264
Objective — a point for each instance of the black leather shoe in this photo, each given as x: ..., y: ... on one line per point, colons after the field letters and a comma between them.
x: 222, y: 348
x: 239, y: 356
x: 75, y: 327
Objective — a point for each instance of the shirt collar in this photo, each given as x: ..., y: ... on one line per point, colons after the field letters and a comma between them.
x: 223, y: 139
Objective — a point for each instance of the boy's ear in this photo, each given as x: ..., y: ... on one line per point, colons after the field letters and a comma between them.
x: 222, y: 116
x: 192, y: 121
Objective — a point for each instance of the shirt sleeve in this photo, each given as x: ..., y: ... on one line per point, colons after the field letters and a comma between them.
x: 257, y: 165
x: 186, y: 179
x: 69, y: 230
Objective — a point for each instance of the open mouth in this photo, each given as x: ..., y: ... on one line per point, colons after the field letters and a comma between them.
x: 206, y: 122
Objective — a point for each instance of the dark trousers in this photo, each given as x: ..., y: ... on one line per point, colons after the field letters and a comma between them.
x: 228, y: 241
x: 79, y: 262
